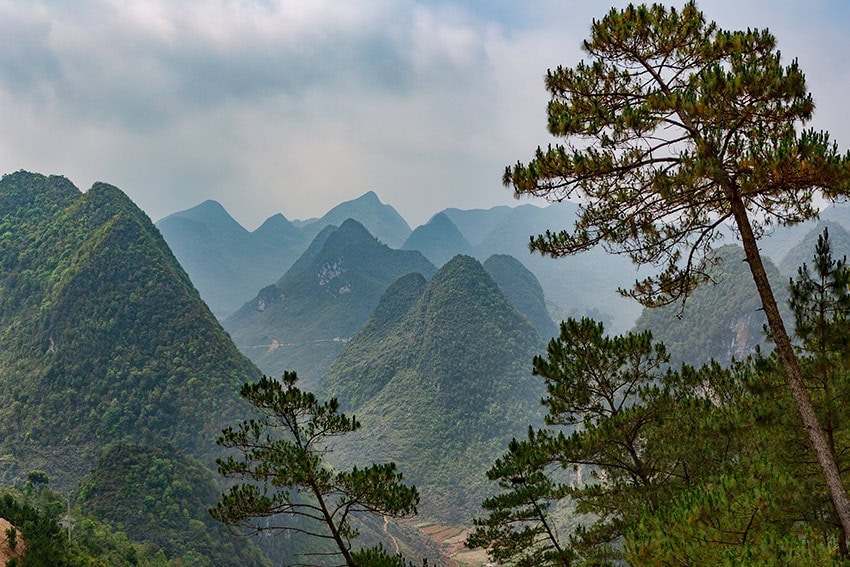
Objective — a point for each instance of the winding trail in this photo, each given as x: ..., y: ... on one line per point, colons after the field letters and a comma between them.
x: 392, y: 537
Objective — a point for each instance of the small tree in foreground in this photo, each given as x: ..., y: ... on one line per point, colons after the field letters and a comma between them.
x: 520, y: 530
x: 673, y: 129
x: 289, y: 484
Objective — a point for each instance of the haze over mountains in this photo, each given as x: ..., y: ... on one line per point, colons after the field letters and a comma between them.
x: 228, y: 264
x: 573, y: 286
x: 585, y: 284
x: 116, y: 378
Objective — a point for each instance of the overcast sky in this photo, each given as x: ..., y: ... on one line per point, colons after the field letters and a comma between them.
x: 293, y: 106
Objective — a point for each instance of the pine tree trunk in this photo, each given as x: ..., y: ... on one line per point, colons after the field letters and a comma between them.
x: 343, y: 548
x: 793, y: 376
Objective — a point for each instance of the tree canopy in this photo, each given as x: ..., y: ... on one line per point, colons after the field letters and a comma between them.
x: 674, y: 128
x: 289, y: 486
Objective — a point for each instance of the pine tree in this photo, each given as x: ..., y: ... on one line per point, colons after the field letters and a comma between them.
x: 673, y: 128
x: 820, y: 300
x: 289, y: 484
x: 519, y: 527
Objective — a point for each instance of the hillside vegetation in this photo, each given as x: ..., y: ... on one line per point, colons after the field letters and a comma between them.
x: 302, y: 321
x: 103, y: 339
x: 440, y: 378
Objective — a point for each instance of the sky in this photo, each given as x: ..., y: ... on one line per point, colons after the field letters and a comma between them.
x: 292, y: 106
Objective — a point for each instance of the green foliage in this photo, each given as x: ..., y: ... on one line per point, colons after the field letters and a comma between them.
x: 102, y: 336
x: 820, y: 300
x: 523, y: 290
x: 801, y: 252
x: 159, y: 496
x: 440, y: 379
x: 674, y: 128
x: 669, y: 466
x: 520, y: 529
x: 721, y: 320
x: 378, y: 557
x: 90, y: 543
x: 821, y: 303
x: 281, y: 455
x: 38, y: 478
x: 729, y: 521
x: 12, y: 538
x: 670, y: 124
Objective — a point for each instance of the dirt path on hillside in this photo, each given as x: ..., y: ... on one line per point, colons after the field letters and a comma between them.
x: 391, y: 536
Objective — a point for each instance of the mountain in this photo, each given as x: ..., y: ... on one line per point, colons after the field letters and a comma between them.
x: 523, y: 291
x: 477, y: 224
x: 102, y: 334
x: 103, y: 338
x: 380, y: 220
x: 227, y: 263
x: 778, y: 240
x: 301, y: 322
x: 575, y: 286
x: 440, y: 377
x: 837, y: 212
x: 802, y: 253
x: 160, y: 481
x: 721, y: 319
x: 439, y: 240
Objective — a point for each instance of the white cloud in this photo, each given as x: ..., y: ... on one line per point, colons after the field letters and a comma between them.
x: 293, y: 106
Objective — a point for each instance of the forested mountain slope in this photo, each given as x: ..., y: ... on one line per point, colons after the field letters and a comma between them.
x: 721, y: 318
x: 101, y: 333
x: 440, y: 377
x: 523, y: 290
x: 103, y: 338
x: 161, y: 496
x: 301, y: 322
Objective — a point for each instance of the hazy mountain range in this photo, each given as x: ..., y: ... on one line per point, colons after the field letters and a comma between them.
x: 230, y: 265
x: 116, y: 378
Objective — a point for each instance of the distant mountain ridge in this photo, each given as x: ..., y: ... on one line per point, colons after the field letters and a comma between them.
x: 229, y: 265
x: 228, y: 274
x: 382, y: 221
x: 584, y: 284
x: 301, y: 322
x: 523, y: 290
x: 439, y: 240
